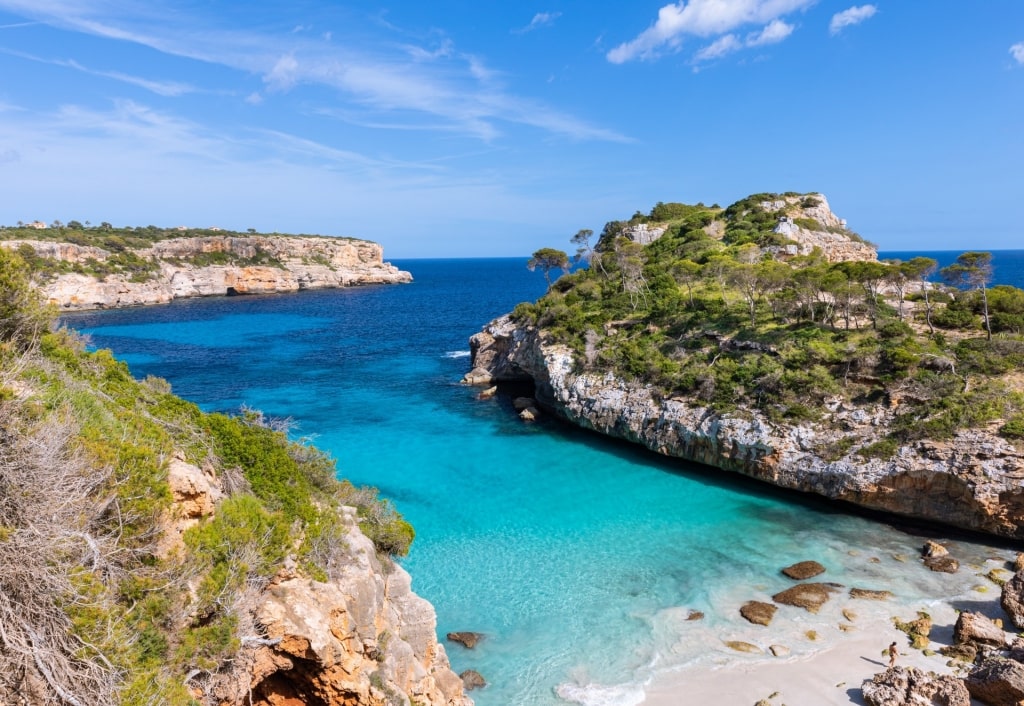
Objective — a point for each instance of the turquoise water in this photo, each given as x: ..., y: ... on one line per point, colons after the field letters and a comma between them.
x: 579, y: 558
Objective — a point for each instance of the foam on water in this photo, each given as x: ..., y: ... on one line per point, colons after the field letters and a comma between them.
x: 581, y: 559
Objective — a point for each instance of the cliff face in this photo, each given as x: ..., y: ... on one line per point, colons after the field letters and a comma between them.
x: 294, y: 264
x: 972, y: 481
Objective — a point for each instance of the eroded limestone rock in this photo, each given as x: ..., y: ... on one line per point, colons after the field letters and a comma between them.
x: 909, y: 686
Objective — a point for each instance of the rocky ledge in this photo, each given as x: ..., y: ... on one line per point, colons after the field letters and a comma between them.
x: 973, y: 481
x: 360, y: 637
x: 279, y: 264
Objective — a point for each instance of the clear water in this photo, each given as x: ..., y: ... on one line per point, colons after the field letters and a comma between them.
x: 578, y: 557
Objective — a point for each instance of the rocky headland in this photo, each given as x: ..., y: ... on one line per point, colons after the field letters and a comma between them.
x: 833, y: 435
x: 210, y: 265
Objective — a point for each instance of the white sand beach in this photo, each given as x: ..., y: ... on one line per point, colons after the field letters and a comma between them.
x: 830, y: 676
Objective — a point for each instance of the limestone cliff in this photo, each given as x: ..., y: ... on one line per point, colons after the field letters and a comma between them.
x: 973, y: 481
x: 209, y: 266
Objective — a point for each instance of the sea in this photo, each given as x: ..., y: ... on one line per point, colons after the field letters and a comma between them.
x: 586, y: 563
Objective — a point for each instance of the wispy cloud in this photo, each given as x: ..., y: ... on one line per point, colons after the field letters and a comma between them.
x: 439, y: 83
x: 708, y: 18
x: 163, y: 88
x: 852, y: 16
x: 541, y: 19
x: 772, y: 33
x: 1017, y: 52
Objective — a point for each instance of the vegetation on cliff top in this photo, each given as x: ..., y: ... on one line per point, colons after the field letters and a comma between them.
x: 92, y: 610
x: 720, y: 309
x: 123, y: 246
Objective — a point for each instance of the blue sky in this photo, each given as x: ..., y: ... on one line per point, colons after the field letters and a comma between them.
x: 455, y: 128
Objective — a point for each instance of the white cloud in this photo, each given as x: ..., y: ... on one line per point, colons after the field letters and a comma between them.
x: 163, y: 88
x: 702, y: 18
x: 1017, y: 51
x: 541, y: 19
x: 773, y: 32
x: 852, y: 16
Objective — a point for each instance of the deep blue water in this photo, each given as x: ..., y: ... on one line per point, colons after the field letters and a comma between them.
x: 579, y: 558
x: 1007, y: 265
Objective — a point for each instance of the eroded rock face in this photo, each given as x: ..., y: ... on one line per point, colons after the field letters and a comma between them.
x: 305, y: 263
x: 969, y: 481
x: 902, y: 686
x: 1013, y: 598
x: 997, y: 682
x: 354, y: 640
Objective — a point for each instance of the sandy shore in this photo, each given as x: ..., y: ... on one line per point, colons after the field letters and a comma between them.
x: 831, y: 676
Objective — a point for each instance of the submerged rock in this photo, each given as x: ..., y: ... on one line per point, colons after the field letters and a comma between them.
x: 869, y: 594
x: 466, y: 639
x: 943, y: 564
x: 804, y: 570
x: 757, y: 612
x: 809, y: 596
x: 472, y: 679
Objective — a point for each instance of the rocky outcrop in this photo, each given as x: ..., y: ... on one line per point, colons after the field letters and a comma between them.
x: 1013, y: 598
x: 901, y: 686
x: 361, y: 638
x: 252, y: 265
x: 971, y: 481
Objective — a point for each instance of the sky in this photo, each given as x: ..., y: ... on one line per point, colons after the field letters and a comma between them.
x: 453, y: 128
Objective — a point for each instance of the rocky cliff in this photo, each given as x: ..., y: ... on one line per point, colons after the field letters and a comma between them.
x: 208, y: 266
x: 973, y: 481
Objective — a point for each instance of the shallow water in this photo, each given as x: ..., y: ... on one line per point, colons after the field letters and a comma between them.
x: 580, y: 558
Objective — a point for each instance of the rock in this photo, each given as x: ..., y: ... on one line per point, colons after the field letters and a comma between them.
x: 529, y: 414
x: 943, y: 564
x: 466, y: 639
x: 695, y: 615
x: 521, y: 403
x: 741, y: 646
x: 997, y: 682
x: 918, y: 630
x: 849, y: 615
x: 1018, y: 561
x: 477, y: 376
x: 341, y: 641
x: 909, y: 686
x: 809, y: 596
x: 870, y: 595
x: 1016, y: 651
x: 195, y: 493
x: 757, y: 612
x: 977, y: 629
x: 472, y: 679
x: 933, y: 549
x: 487, y: 394
x: 1012, y: 598
x: 962, y: 653
x: 804, y: 570
x: 779, y: 650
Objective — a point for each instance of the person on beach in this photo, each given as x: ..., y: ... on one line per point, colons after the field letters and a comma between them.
x: 892, y: 655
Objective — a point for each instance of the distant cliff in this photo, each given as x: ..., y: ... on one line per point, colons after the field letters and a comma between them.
x: 80, y: 276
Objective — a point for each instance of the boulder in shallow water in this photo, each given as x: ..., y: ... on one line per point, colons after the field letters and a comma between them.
x: 472, y: 679
x: 909, y: 686
x: 741, y: 646
x: 779, y: 650
x: 466, y: 639
x: 488, y: 393
x: 933, y: 549
x: 477, y: 376
x: 529, y: 414
x: 758, y: 612
x: 870, y: 595
x: 809, y: 596
x: 943, y: 564
x: 803, y: 570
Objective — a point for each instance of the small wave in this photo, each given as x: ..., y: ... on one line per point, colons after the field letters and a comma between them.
x: 601, y: 695
x: 457, y: 354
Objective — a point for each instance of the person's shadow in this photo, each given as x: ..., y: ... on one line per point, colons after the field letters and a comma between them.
x: 874, y: 661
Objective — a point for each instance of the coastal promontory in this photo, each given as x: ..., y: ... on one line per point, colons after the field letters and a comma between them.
x: 767, y: 339
x: 96, y: 268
